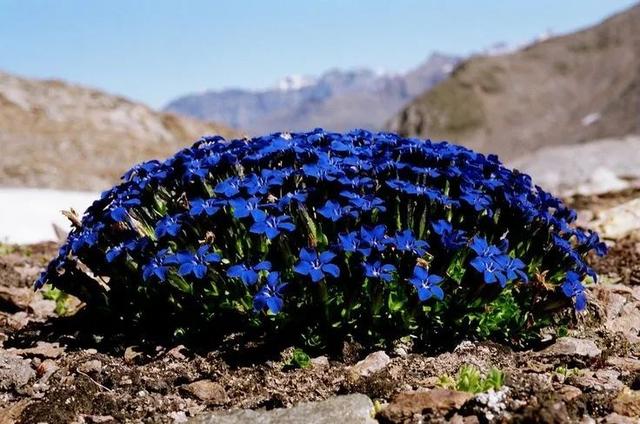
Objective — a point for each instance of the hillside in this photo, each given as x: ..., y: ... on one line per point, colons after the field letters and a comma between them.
x: 568, y: 89
x: 57, y: 135
x: 337, y: 100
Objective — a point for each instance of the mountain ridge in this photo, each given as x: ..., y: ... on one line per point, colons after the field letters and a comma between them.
x: 60, y: 135
x: 563, y: 90
x: 336, y: 100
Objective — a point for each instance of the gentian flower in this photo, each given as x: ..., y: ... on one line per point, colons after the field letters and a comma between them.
x: 169, y: 225
x: 375, y: 237
x: 207, y: 207
x: 248, y: 275
x: 270, y: 225
x: 451, y: 239
x: 194, y: 263
x: 573, y: 289
x: 513, y: 268
x: 315, y: 265
x: 270, y: 295
x: 242, y: 208
x: 333, y: 211
x: 405, y: 241
x: 379, y: 271
x: 229, y: 187
x: 157, y: 267
x: 428, y: 285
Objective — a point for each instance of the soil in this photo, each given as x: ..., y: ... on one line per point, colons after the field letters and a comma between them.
x: 61, y: 375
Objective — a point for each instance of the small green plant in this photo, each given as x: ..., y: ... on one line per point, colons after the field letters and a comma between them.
x: 299, y: 359
x: 470, y: 379
x: 58, y: 296
x: 566, y: 372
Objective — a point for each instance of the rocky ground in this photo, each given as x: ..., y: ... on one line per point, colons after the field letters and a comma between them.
x: 49, y: 372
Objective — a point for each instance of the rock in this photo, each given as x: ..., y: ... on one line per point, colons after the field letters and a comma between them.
x: 93, y: 366
x: 572, y: 346
x: 618, y: 419
x: 628, y: 322
x: 41, y: 349
x: 130, y: 353
x: 15, y: 372
x: 627, y: 403
x: 618, y: 221
x: 407, y: 405
x: 491, y: 404
x: 18, y: 297
x: 349, y: 409
x: 601, y: 380
x: 568, y: 393
x: 320, y: 362
x: 207, y: 391
x: 459, y: 419
x: 624, y: 364
x: 373, y: 363
x: 11, y: 414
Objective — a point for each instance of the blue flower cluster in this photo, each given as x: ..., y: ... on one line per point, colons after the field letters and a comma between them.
x: 385, y: 231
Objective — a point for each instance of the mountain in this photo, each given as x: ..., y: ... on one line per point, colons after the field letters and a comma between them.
x: 337, y: 100
x: 562, y: 90
x: 58, y: 135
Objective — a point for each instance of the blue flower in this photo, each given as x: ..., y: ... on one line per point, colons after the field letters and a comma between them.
x: 270, y: 295
x: 332, y: 210
x: 513, y: 268
x: 405, y: 241
x: 260, y: 184
x: 242, y: 208
x: 157, y: 267
x: 229, y: 187
x: 194, y: 170
x: 350, y: 242
x: 270, y: 225
x: 483, y: 248
x: 490, y: 268
x: 194, y: 263
x: 169, y: 225
x: 316, y: 266
x: 451, y: 239
x: 573, y: 288
x: 375, y: 237
x: 248, y: 275
x: 86, y: 237
x: 297, y: 196
x: 379, y: 271
x: 125, y: 247
x: 208, y: 207
x: 428, y: 285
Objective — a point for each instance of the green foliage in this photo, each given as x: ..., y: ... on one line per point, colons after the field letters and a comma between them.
x: 298, y: 359
x: 58, y: 296
x: 470, y: 379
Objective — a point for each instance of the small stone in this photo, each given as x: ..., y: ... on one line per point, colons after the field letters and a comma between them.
x: 627, y: 403
x: 568, y: 393
x: 436, y: 401
x: 41, y: 349
x: 320, y: 362
x: 349, y: 409
x: 573, y: 346
x: 93, y: 366
x: 15, y: 372
x: 624, y: 364
x: 459, y: 419
x: 176, y: 352
x: 601, y: 380
x: 618, y: 419
x: 619, y: 221
x: 46, y: 370
x: 207, y: 391
x: 373, y: 363
x: 131, y: 353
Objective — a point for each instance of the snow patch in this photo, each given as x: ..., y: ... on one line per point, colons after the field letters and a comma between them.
x: 29, y: 215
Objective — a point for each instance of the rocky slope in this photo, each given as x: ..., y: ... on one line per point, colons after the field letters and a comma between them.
x: 569, y: 89
x: 55, y: 134
x: 337, y: 100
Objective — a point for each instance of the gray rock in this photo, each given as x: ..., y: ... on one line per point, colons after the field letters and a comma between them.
x: 572, y: 346
x: 92, y: 366
x: 350, y: 409
x: 373, y: 363
x: 15, y: 372
x: 207, y: 391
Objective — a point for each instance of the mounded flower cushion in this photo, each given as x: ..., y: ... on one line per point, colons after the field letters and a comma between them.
x: 326, y: 235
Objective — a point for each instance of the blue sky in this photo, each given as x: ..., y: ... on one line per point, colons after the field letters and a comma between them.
x: 155, y: 50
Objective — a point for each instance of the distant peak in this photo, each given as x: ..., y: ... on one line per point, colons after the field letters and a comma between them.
x: 294, y: 82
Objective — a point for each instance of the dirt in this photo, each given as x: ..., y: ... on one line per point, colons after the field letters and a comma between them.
x: 83, y: 378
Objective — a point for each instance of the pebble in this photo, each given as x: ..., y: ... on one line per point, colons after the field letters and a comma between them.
x: 436, y: 401
x: 208, y: 391
x: 573, y: 346
x: 373, y: 363
x: 349, y: 409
